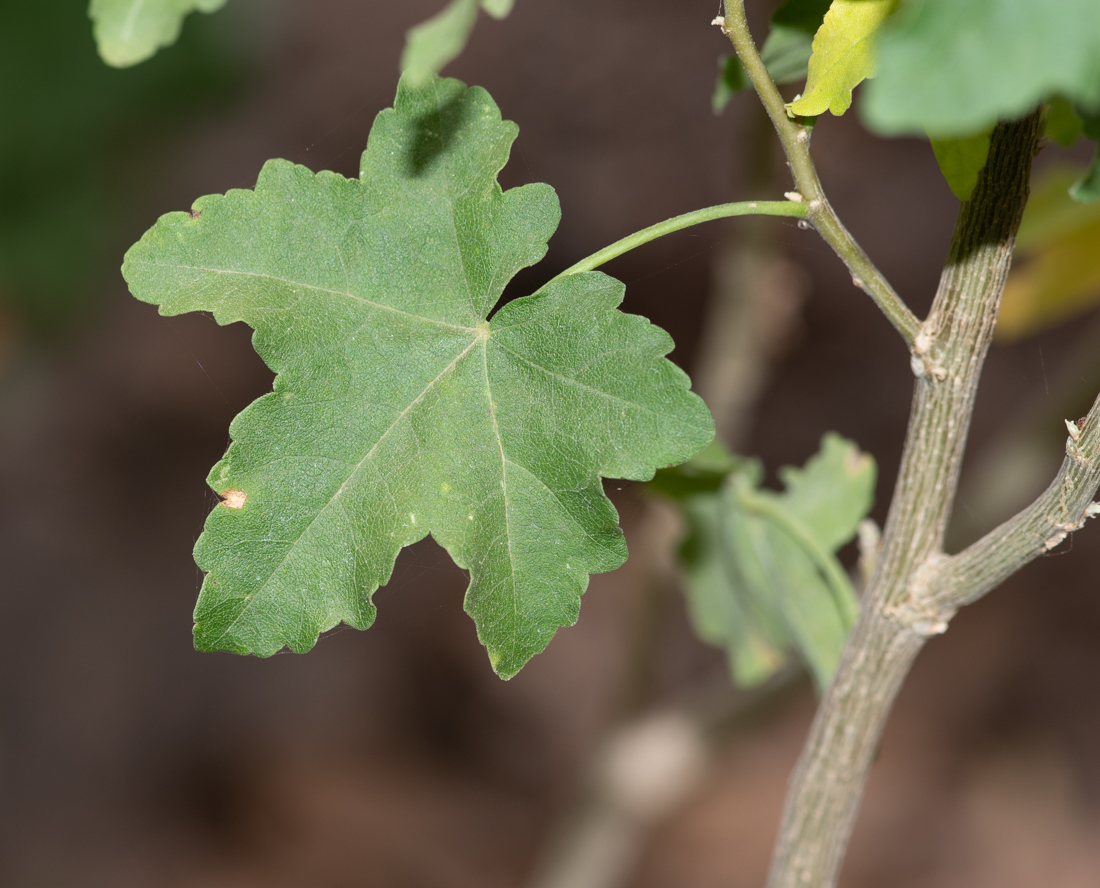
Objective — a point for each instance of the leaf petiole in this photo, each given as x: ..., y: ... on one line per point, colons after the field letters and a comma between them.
x: 676, y: 223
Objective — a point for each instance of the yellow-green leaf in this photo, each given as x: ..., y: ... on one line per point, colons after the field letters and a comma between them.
x: 843, y: 55
x: 961, y: 160
x: 1057, y: 275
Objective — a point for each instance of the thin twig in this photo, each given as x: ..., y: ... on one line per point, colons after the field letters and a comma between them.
x: 1062, y: 509
x: 796, y: 145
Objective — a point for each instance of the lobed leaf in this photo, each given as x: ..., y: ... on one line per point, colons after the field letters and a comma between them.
x: 400, y: 408
x: 843, y: 55
x: 760, y: 571
x: 954, y: 68
x: 131, y: 31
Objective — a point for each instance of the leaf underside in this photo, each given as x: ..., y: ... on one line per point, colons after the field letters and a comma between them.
x: 131, y: 31
x: 399, y: 410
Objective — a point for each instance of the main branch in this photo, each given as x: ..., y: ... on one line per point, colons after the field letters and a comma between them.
x: 900, y: 609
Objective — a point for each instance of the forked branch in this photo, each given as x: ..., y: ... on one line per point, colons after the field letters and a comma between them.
x: 901, y: 607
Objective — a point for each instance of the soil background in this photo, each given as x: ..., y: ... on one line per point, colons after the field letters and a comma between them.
x: 395, y: 758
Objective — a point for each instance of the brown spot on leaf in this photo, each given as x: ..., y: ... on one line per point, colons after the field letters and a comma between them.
x: 194, y: 214
x: 234, y: 499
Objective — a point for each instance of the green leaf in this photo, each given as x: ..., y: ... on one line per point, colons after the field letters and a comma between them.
x: 1056, y: 271
x: 732, y: 78
x: 1062, y: 123
x: 1087, y: 188
x: 131, y: 31
x: 723, y: 611
x: 961, y: 160
x: 952, y: 68
x: 433, y: 44
x: 498, y: 8
x: 843, y: 55
x: 832, y: 493
x: 801, y: 15
x: 786, y: 54
x: 399, y: 410
x: 793, y: 584
x: 759, y: 567
x: 787, y: 49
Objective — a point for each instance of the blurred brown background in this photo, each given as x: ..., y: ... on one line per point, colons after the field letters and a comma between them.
x: 394, y: 757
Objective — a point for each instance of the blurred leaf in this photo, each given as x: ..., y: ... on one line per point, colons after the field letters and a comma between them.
x: 843, y: 55
x: 724, y: 613
x: 1056, y: 272
x: 759, y: 566
x: 1062, y: 125
x: 704, y: 472
x: 74, y: 140
x: 130, y: 31
x: 952, y: 68
x: 433, y: 44
x: 732, y: 78
x: 498, y: 8
x: 786, y: 54
x: 832, y: 493
x: 961, y: 160
x: 399, y: 409
x: 787, y: 49
x: 1087, y: 188
x: 801, y: 15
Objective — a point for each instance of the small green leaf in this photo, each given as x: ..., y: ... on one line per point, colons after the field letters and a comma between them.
x: 1062, y: 124
x: 786, y: 54
x: 130, y: 31
x: 1056, y: 271
x: 1087, y: 188
x: 732, y: 78
x: 787, y: 49
x: 961, y: 160
x: 833, y: 492
x: 399, y: 408
x: 498, y: 8
x: 802, y: 598
x: 433, y: 44
x: 721, y: 605
x: 843, y: 55
x: 801, y: 15
x: 759, y: 567
x: 951, y: 68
